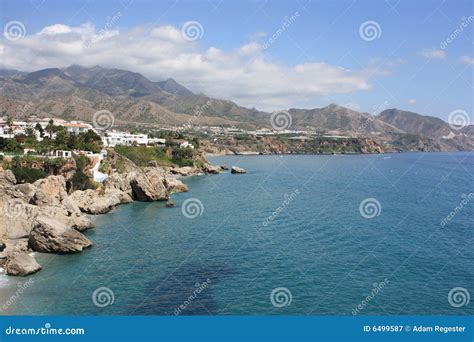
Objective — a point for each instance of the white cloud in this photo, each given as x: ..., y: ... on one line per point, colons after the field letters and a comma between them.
x: 412, y: 101
x: 434, y: 54
x: 467, y: 60
x: 245, y: 74
x: 56, y: 29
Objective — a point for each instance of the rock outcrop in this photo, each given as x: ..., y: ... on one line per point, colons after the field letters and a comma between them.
x: 92, y: 202
x: 50, y: 191
x: 53, y: 236
x: 210, y: 169
x: 175, y: 185
x: 43, y: 217
x: 185, y: 171
x: 21, y: 265
x: 148, y: 186
x: 236, y: 169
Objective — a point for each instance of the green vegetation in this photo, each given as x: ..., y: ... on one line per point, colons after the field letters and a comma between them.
x: 25, y: 174
x: 80, y: 181
x: 10, y: 145
x: 163, y: 156
x: 88, y: 141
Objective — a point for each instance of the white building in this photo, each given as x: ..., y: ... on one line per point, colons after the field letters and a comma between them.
x: 19, y: 127
x: 186, y: 144
x: 77, y: 127
x: 157, y: 141
x: 115, y: 138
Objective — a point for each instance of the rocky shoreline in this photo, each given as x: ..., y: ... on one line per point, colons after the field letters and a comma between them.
x: 44, y: 217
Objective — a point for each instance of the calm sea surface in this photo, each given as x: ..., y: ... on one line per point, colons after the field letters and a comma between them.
x: 293, y: 225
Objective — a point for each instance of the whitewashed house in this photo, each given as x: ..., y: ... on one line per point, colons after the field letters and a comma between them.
x: 186, y: 144
x: 115, y: 138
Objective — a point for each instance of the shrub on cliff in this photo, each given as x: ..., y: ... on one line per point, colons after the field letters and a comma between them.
x: 80, y: 181
x: 28, y: 175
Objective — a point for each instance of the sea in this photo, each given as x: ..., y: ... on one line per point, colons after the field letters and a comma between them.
x: 385, y: 234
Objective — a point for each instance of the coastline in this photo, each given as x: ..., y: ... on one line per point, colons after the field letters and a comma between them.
x: 47, y: 199
x: 43, y: 217
x: 160, y: 232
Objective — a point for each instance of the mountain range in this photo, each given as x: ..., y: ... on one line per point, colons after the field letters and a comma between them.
x: 77, y: 92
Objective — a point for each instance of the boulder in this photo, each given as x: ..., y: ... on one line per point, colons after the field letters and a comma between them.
x: 11, y: 248
x: 50, y: 190
x: 91, y: 202
x: 175, y: 185
x: 53, y: 236
x: 236, y: 169
x: 9, y: 177
x: 184, y: 171
x: 223, y: 167
x: 16, y: 217
x: 210, y: 169
x: 148, y: 186
x: 80, y: 223
x: 21, y: 265
x: 26, y: 190
x: 119, y: 182
x: 7, y: 181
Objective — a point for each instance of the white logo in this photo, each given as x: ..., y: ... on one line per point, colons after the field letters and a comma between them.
x: 370, y: 208
x: 103, y: 296
x: 281, y: 120
x: 192, y: 30
x: 458, y: 296
x: 192, y: 208
x: 280, y: 297
x: 103, y: 120
x: 458, y: 119
x: 14, y: 30
x: 13, y: 207
x: 370, y: 30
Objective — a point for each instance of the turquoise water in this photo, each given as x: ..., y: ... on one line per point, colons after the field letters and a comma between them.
x: 292, y: 221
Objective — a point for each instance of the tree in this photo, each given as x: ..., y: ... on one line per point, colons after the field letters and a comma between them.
x: 10, y: 125
x: 30, y: 136
x: 50, y: 128
x: 62, y: 137
x: 40, y: 129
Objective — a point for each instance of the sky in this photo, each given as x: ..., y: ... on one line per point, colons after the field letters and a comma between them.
x: 272, y: 55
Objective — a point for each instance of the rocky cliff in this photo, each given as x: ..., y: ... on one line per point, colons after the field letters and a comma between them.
x: 43, y: 217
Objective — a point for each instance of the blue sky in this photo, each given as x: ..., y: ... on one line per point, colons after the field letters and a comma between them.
x: 406, y: 66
